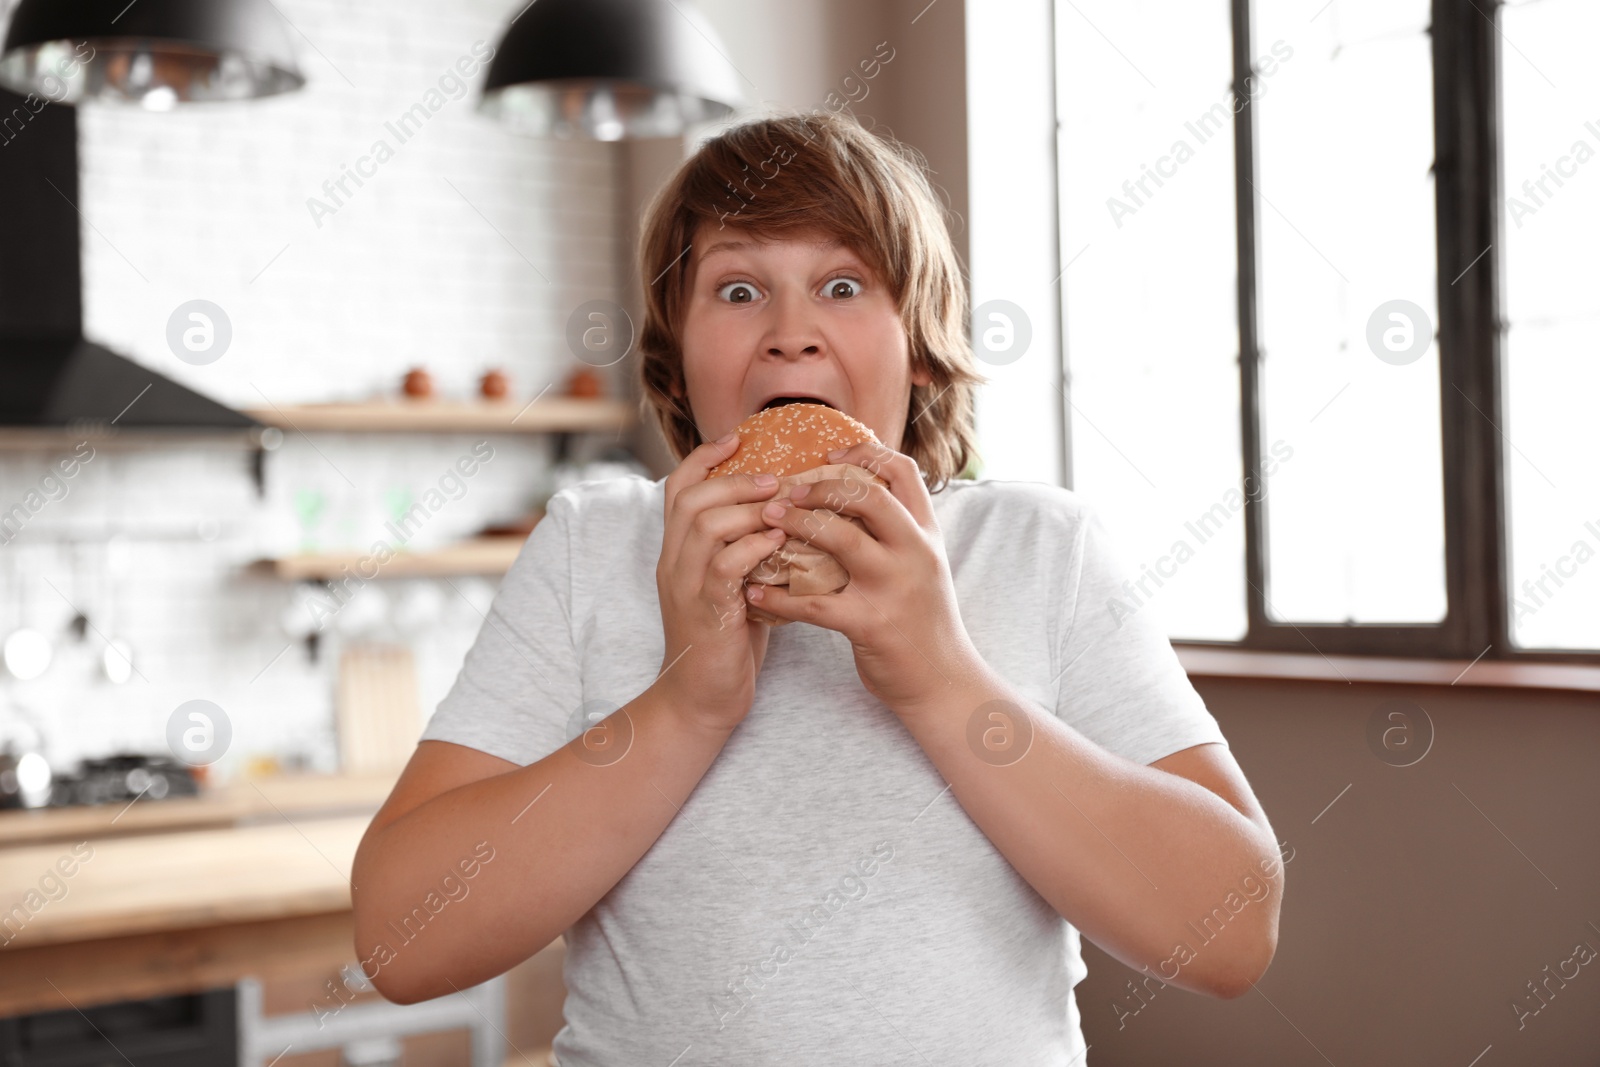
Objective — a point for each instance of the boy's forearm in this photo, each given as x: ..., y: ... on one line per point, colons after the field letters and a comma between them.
x: 561, y: 832
x: 1129, y: 854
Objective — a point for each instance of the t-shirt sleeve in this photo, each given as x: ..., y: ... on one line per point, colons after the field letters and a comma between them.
x: 1121, y: 684
x: 519, y: 684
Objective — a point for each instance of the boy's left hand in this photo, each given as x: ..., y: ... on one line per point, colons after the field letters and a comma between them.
x: 899, y: 610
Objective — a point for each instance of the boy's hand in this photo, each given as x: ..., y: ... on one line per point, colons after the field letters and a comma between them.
x: 899, y: 610
x: 712, y: 538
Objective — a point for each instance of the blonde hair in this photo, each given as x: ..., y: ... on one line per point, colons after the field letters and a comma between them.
x: 783, y: 175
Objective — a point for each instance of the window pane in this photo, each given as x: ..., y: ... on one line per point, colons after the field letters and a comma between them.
x: 1150, y: 298
x: 1551, y: 175
x: 1350, y: 378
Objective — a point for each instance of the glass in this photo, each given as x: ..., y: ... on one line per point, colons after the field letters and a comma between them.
x: 1347, y: 275
x: 1550, y: 174
x: 1150, y: 296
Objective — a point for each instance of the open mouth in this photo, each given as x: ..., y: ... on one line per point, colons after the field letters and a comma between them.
x: 779, y: 401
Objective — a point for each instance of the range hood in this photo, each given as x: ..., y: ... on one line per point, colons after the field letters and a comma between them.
x: 51, y: 376
x: 69, y: 382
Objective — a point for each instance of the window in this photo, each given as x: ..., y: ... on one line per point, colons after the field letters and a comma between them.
x: 1551, y: 308
x: 1344, y: 225
x: 1148, y: 243
x: 1327, y: 382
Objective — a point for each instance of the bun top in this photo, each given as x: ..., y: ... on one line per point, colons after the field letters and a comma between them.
x: 790, y: 439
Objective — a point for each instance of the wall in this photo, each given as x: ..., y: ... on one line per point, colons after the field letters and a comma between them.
x: 795, y: 56
x: 465, y: 250
x: 157, y: 548
x: 1417, y: 906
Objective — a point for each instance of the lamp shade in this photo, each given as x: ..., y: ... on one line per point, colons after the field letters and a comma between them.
x: 608, y: 70
x: 156, y: 53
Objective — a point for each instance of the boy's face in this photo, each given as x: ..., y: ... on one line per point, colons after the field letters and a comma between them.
x: 797, y: 317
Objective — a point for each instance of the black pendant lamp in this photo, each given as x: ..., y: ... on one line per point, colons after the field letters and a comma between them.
x: 609, y: 69
x: 155, y: 53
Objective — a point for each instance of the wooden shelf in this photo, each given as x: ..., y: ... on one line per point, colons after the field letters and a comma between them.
x: 481, y: 555
x: 556, y: 414
x: 66, y: 438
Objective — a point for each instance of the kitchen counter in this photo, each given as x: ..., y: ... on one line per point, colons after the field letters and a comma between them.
x: 176, y: 895
x: 272, y: 799
x: 172, y: 881
x: 173, y: 896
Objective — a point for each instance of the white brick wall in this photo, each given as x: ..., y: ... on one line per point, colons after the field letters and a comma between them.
x: 196, y: 203
x: 157, y: 547
x: 199, y: 201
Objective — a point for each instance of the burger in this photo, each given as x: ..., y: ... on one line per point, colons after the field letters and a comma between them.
x: 791, y: 438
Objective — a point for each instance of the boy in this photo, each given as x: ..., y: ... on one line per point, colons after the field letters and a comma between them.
x: 872, y: 838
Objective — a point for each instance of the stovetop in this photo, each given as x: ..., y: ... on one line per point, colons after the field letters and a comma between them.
x: 122, y: 778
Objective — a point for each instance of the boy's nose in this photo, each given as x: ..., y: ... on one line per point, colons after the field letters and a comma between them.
x: 794, y: 330
x: 793, y: 349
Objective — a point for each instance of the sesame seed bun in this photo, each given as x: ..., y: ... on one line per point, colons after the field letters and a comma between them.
x: 793, y: 442
x: 790, y: 439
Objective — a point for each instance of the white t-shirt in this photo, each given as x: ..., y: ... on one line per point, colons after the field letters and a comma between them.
x: 821, y: 899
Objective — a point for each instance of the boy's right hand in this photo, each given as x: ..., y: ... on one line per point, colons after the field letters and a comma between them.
x: 713, y: 537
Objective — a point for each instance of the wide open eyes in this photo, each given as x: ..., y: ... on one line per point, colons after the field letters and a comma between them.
x: 738, y: 292
x: 838, y: 288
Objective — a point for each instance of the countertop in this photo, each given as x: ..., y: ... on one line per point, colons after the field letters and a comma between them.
x: 253, y: 850
x: 269, y: 800
x: 157, y: 882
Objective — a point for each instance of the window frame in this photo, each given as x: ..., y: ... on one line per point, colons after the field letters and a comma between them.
x: 1466, y: 52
